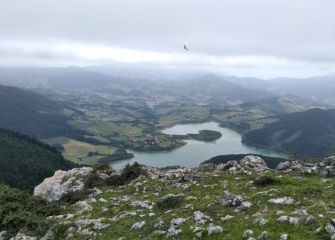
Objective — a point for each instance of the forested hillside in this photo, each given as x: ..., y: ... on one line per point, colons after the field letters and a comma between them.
x: 310, y: 132
x: 25, y: 162
x: 32, y: 114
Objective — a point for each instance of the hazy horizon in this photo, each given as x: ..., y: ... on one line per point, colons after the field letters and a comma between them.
x: 264, y: 39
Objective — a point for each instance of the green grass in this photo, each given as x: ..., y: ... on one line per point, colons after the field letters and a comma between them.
x: 312, y: 193
x: 79, y: 152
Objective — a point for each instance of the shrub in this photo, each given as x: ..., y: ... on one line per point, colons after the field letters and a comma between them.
x: 20, y: 210
x: 104, y: 166
x: 265, y: 180
x: 130, y: 172
x: 73, y: 197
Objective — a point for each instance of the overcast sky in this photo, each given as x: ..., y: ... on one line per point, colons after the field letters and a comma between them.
x: 262, y: 38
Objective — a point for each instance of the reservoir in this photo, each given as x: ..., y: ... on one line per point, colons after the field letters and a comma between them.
x: 194, y: 152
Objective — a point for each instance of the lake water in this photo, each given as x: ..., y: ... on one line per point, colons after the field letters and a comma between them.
x: 195, y: 152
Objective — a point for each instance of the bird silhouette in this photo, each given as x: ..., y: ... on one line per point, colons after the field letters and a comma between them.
x: 186, y: 48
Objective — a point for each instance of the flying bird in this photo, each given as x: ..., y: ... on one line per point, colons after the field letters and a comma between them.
x: 186, y: 48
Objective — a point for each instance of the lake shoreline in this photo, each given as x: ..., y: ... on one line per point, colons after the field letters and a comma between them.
x: 193, y: 152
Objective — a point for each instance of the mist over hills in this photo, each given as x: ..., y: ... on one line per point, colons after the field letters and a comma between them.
x: 98, y: 78
x: 54, y: 104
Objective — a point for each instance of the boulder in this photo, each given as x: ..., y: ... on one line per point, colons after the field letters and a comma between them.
x: 170, y: 200
x: 200, y: 218
x: 289, y: 166
x: 230, y: 200
x: 328, y: 171
x: 214, y: 229
x: 310, y: 170
x: 62, y: 182
x: 248, y: 234
x: 264, y: 235
x: 3, y: 235
x: 138, y: 225
x: 283, y: 236
x: 254, y: 163
x: 330, y: 228
x: 282, y: 201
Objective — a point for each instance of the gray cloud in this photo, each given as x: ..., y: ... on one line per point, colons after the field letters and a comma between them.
x: 297, y: 31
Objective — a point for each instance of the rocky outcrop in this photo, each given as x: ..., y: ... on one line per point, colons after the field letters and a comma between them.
x: 254, y: 163
x: 246, y: 165
x: 192, y: 202
x: 62, y: 182
x: 289, y: 166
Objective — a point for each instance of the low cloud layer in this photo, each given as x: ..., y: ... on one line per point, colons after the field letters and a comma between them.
x: 265, y: 38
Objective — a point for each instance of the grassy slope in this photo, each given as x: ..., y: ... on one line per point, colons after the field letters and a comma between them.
x: 312, y: 193
x: 20, y: 210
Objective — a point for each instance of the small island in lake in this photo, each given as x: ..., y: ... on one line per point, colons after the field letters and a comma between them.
x: 206, y: 135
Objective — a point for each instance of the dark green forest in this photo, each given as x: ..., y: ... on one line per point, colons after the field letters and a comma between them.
x: 310, y: 133
x: 32, y: 114
x: 25, y: 162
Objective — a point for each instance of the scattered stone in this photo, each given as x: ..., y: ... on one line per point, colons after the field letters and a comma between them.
x: 138, y: 225
x: 173, y: 232
x: 49, y: 235
x: 330, y: 228
x: 177, y: 221
x: 289, y: 166
x: 294, y: 220
x: 230, y: 200
x: 170, y: 200
x: 97, y: 223
x: 102, y: 200
x: 84, y: 206
x: 23, y: 237
x: 95, y: 192
x: 151, y: 214
x: 264, y: 235
x: 282, y: 219
x: 142, y: 204
x: 261, y: 221
x: 282, y: 201
x: 248, y: 234
x: 214, y: 229
x: 200, y: 218
x: 283, y: 236
x: 310, y: 170
x: 226, y: 218
x: 188, y: 206
x: 246, y: 205
x: 158, y: 225
x: 3, y: 235
x: 300, y: 212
